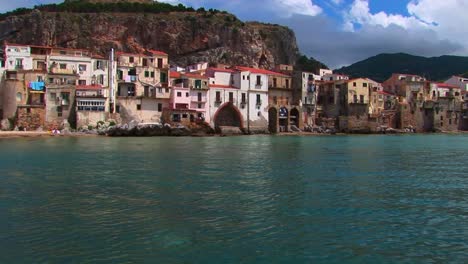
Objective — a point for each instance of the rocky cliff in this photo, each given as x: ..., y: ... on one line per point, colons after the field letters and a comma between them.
x: 188, y: 36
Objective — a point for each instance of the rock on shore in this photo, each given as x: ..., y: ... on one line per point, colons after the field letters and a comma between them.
x: 133, y: 129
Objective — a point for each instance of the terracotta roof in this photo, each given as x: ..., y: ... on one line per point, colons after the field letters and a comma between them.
x: 222, y: 86
x: 89, y: 87
x: 260, y: 71
x: 174, y: 74
x: 446, y: 85
x: 157, y: 52
x: 193, y: 75
x: 385, y: 93
x: 221, y: 70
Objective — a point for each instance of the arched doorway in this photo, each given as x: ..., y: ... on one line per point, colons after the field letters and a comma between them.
x: 294, y: 117
x: 273, y: 120
x: 228, y: 115
x: 283, y: 119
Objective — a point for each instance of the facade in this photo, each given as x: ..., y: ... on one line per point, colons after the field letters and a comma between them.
x: 239, y: 98
x: 189, y: 99
x: 142, y: 86
x: 92, y: 104
x: 460, y: 82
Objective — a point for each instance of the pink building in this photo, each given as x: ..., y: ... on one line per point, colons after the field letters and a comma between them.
x: 189, y: 98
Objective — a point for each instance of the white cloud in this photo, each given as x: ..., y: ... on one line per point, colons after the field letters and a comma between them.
x: 300, y: 7
x: 360, y: 14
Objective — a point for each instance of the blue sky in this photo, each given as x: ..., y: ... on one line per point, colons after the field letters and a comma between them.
x: 341, y: 32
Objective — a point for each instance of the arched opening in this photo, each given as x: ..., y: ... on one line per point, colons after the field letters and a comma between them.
x: 283, y: 119
x: 294, y: 117
x: 273, y: 120
x: 228, y: 116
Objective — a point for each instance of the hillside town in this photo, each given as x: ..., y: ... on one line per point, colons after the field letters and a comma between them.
x: 52, y: 88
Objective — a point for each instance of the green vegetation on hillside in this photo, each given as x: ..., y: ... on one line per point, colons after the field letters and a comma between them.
x: 119, y: 7
x: 309, y: 64
x: 381, y: 67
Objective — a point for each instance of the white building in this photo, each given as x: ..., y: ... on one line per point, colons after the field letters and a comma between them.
x: 334, y: 77
x: 459, y: 81
x: 239, y: 98
x: 18, y: 57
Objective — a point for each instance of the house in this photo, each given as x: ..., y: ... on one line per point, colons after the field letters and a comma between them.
x: 17, y: 57
x: 239, y: 98
x: 445, y: 106
x: 227, y: 103
x: 305, y: 94
x: 333, y: 76
x: 189, y: 99
x: 142, y: 86
x: 284, y: 108
x: 92, y: 104
x: 411, y: 91
x: 458, y: 81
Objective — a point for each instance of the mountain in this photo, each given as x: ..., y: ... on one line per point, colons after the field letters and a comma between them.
x: 381, y: 67
x: 187, y: 35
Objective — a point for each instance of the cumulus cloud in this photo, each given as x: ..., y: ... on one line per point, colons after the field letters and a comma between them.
x: 360, y: 14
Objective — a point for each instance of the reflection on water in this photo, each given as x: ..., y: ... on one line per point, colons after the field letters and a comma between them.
x: 373, y: 199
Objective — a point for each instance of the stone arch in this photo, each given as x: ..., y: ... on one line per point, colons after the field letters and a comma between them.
x: 294, y: 117
x: 228, y: 115
x: 273, y: 120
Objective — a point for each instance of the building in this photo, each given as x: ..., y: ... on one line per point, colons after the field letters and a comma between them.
x: 189, y: 99
x: 92, y: 105
x: 284, y: 109
x: 445, y: 105
x: 239, y: 98
x: 458, y: 81
x: 333, y: 76
x: 142, y: 86
x: 305, y: 93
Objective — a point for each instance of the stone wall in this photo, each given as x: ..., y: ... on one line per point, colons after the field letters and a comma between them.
x: 30, y: 119
x: 85, y: 118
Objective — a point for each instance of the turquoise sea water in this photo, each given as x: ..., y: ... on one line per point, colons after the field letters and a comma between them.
x: 343, y: 199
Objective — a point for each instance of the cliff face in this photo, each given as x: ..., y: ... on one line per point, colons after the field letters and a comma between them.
x: 188, y: 37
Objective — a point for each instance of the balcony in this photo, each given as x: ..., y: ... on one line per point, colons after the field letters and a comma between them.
x: 19, y: 67
x: 63, y: 71
x: 200, y: 101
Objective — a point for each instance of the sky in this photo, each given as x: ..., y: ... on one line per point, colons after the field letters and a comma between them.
x: 341, y: 32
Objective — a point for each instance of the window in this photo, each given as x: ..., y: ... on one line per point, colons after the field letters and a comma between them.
x: 441, y: 118
x: 259, y: 100
x: 146, y: 91
x: 81, y: 82
x: 159, y: 107
x: 160, y: 90
x: 231, y: 97
x: 82, y: 67
x: 361, y: 98
x: 179, y: 94
x: 287, y: 83
x: 145, y: 62
x: 259, y: 80
x: 199, y: 105
x: 131, y: 59
x: 117, y: 108
x: 275, y: 82
x: 218, y: 97
x: 243, y: 77
x: 199, y: 97
x: 63, y: 66
x: 187, y: 94
x: 163, y: 77
x: 59, y: 111
x: 152, y: 74
x: 167, y: 90
x: 243, y: 98
x: 184, y: 115
x: 160, y: 63
x: 138, y: 107
x: 364, y: 85
x: 355, y: 98
x: 275, y: 100
x: 147, y: 74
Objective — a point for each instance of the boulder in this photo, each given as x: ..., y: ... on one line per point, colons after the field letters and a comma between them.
x: 65, y: 125
x: 5, y: 125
